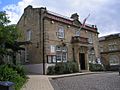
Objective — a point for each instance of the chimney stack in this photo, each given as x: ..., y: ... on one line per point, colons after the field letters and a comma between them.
x: 75, y: 16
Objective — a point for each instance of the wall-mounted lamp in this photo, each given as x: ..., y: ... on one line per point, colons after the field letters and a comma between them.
x: 52, y: 22
x: 68, y: 26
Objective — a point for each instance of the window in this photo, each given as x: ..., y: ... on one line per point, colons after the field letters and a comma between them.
x: 61, y: 32
x: 64, y: 49
x: 77, y: 33
x: 58, y: 48
x: 26, y: 55
x: 52, y: 48
x: 61, y: 54
x: 29, y: 34
x: 58, y: 56
x: 64, y: 56
x: 54, y: 59
x: 51, y: 59
x: 90, y: 38
x: 101, y: 49
x: 114, y: 60
x: 112, y: 46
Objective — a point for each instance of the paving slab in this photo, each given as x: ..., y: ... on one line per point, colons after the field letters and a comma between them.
x: 38, y: 82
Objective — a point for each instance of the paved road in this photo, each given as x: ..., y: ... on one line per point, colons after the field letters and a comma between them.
x: 106, y: 81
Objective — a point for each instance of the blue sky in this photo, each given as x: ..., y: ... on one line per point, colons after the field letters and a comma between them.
x: 103, y: 13
x: 3, y: 3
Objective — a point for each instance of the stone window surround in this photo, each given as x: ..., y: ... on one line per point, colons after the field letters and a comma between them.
x: 28, y: 35
x: 61, y: 32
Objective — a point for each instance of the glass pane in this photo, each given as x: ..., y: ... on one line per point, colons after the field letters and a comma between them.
x: 64, y: 49
x: 64, y: 56
x: 29, y: 33
x: 58, y: 48
x: 49, y: 59
x: 54, y: 59
x: 61, y: 32
x: 58, y: 57
x: 52, y: 48
x: 77, y: 33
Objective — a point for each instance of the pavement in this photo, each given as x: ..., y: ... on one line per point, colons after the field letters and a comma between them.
x: 38, y: 82
x: 42, y: 82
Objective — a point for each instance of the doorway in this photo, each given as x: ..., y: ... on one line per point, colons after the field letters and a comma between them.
x: 82, y: 61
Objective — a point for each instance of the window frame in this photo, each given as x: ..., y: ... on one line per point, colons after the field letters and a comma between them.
x: 77, y: 33
x: 28, y: 35
x: 61, y: 52
x: 52, y: 48
x: 90, y: 38
x: 61, y: 32
x: 50, y: 59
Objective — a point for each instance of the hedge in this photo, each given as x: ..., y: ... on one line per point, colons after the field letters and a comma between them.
x: 63, y: 68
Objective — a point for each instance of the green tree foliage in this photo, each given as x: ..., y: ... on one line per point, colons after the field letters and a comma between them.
x: 12, y: 74
x: 8, y: 34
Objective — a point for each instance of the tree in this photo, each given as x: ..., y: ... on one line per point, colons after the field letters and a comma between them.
x: 8, y: 35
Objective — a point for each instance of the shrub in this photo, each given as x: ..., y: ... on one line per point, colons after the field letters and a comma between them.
x: 74, y: 66
x: 71, y: 67
x: 95, y: 67
x: 60, y: 68
x: 20, y: 70
x: 51, y: 70
x: 63, y: 68
x: 9, y: 74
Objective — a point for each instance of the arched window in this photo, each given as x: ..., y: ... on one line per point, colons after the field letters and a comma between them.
x: 114, y: 60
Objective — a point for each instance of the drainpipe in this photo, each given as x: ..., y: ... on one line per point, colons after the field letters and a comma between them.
x: 41, y: 26
x: 43, y: 48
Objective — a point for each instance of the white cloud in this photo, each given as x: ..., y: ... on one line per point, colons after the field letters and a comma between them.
x: 102, y: 11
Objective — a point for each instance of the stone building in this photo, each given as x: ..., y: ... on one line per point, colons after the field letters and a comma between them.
x: 55, y: 38
x: 110, y: 50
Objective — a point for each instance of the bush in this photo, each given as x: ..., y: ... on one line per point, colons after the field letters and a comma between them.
x: 51, y: 70
x: 63, y: 68
x: 9, y: 74
x: 20, y: 70
x: 74, y: 67
x: 95, y: 67
x: 71, y: 67
x: 60, y: 68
